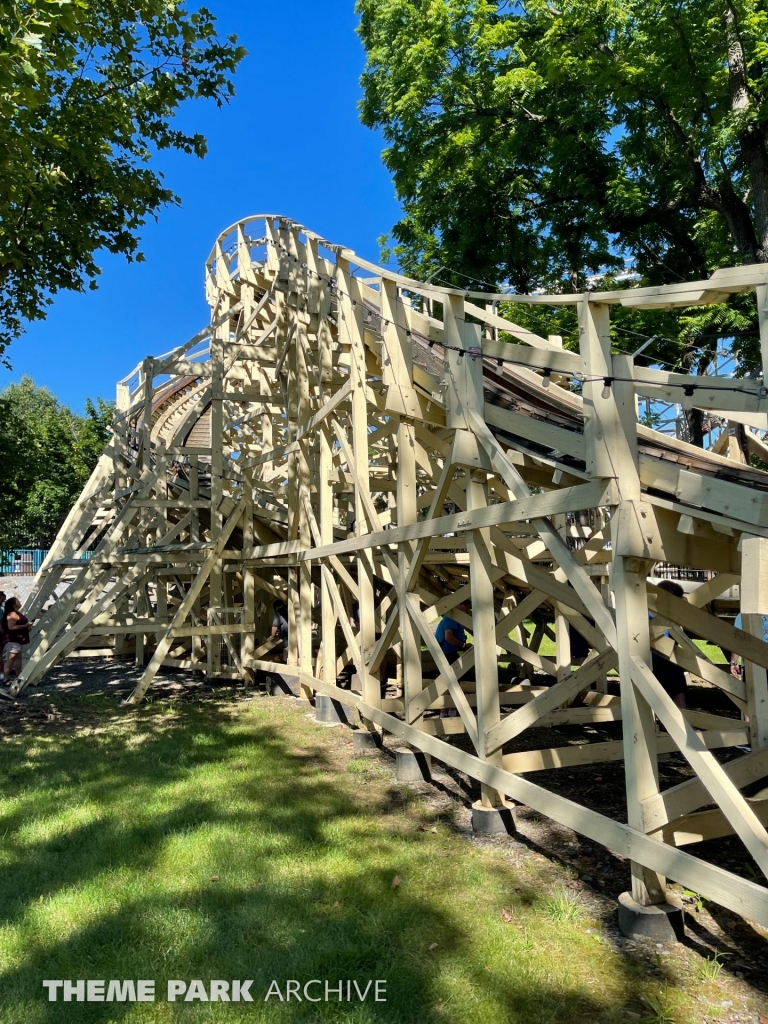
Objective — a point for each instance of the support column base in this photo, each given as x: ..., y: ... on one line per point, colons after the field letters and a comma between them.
x: 279, y: 685
x: 662, y: 922
x: 331, y: 712
x: 412, y: 765
x: 493, y: 821
x: 364, y: 739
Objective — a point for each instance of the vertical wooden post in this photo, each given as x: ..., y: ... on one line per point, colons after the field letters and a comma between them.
x: 611, y: 438
x: 319, y: 305
x: 283, y: 281
x: 455, y: 337
x: 148, y: 375
x: 562, y: 632
x: 754, y: 605
x: 248, y: 640
x: 483, y: 629
x: 352, y: 328
x: 761, y: 295
x: 217, y: 473
x: 303, y: 481
x: 398, y: 362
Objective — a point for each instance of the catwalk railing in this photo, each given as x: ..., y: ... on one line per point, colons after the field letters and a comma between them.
x: 373, y: 451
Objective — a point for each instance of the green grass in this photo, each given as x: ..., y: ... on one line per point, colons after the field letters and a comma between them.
x: 562, y: 906
x: 711, y: 651
x: 235, y: 839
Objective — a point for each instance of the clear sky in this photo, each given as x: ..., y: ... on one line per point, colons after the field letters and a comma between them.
x: 289, y: 142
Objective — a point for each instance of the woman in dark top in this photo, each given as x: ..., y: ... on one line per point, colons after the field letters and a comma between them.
x: 15, y: 630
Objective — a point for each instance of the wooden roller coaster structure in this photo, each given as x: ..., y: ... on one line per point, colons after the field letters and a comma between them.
x: 374, y: 450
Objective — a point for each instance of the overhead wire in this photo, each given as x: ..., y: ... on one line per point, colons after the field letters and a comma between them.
x: 608, y: 379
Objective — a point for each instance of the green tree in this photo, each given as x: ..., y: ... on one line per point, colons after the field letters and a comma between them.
x: 537, y: 143
x: 88, y: 90
x: 47, y: 453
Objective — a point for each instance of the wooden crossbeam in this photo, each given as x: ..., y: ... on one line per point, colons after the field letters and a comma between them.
x: 309, y: 447
x: 740, y: 815
x: 526, y: 716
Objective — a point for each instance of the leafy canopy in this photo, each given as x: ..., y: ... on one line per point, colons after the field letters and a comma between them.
x: 88, y: 89
x: 47, y: 454
x: 540, y: 142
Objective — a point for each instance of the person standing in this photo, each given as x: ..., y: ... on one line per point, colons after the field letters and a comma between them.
x: 280, y: 628
x: 3, y: 638
x: 15, y: 629
x: 451, y: 635
x: 452, y: 638
x: 279, y: 621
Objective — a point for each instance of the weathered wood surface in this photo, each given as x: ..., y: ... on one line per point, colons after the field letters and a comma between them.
x: 333, y: 443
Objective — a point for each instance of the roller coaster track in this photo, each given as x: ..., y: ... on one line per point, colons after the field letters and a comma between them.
x: 374, y: 450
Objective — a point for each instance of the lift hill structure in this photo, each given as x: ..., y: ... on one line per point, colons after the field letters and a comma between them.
x: 366, y: 448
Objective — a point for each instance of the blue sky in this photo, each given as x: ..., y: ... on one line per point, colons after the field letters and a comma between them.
x: 289, y: 142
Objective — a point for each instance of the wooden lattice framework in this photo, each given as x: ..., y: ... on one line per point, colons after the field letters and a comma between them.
x: 367, y: 448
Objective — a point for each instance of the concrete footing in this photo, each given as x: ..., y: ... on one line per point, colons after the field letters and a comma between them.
x: 662, y: 922
x: 412, y: 765
x: 302, y: 702
x: 330, y: 711
x: 493, y: 821
x: 364, y: 739
x: 281, y: 686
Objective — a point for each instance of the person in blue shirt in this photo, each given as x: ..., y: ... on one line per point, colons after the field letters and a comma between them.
x: 451, y: 635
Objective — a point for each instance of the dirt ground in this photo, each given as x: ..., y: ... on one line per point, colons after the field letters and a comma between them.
x: 21, y: 586
x: 596, y: 874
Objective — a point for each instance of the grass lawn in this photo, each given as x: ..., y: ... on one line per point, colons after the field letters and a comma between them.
x: 234, y: 839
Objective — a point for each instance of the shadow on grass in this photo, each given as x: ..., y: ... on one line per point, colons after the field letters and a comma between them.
x: 202, y: 845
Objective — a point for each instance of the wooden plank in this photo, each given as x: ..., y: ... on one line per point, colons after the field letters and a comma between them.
x: 611, y: 750
x: 688, y: 796
x: 695, y: 662
x: 569, y: 442
x: 741, y: 503
x: 211, y: 629
x: 445, y: 670
x: 725, y: 523
x: 566, y: 500
x: 183, y: 610
x: 733, y: 805
x: 743, y: 897
x: 713, y: 588
x: 711, y: 628
x: 528, y: 715
x: 527, y: 337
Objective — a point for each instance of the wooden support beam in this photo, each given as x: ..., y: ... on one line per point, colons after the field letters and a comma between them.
x: 310, y: 399
x: 557, y: 695
x: 183, y: 610
x: 733, y: 805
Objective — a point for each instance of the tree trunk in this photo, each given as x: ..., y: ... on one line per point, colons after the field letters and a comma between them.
x: 753, y: 147
x: 739, y: 221
x: 694, y: 419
